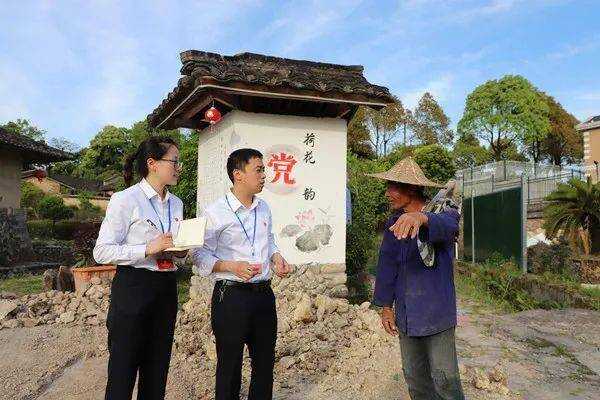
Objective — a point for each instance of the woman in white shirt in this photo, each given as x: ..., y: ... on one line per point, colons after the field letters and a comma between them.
x: 134, y: 235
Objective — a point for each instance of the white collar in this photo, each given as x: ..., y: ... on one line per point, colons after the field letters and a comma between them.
x: 150, y: 192
x: 235, y: 203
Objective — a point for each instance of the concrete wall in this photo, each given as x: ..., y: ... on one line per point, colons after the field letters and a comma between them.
x: 101, y: 202
x: 305, y: 160
x: 10, y: 179
x: 308, y: 203
x: 591, y: 151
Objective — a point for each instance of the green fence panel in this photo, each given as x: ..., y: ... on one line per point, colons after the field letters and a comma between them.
x: 497, y: 226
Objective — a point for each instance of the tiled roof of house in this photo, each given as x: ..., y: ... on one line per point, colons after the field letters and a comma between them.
x: 32, y: 150
x: 590, y: 123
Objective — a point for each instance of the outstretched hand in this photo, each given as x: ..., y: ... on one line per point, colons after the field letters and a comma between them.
x: 408, y: 225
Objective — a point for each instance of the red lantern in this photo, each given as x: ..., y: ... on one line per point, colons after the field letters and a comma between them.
x: 39, y: 174
x: 212, y: 115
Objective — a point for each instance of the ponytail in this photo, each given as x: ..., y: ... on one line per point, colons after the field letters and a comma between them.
x: 128, y: 168
x: 154, y: 147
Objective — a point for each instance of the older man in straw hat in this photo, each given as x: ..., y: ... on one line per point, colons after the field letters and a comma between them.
x: 418, y: 297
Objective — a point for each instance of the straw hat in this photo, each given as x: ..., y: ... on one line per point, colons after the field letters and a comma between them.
x: 406, y: 171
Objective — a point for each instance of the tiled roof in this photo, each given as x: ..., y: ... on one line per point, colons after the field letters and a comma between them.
x: 590, y: 123
x: 31, y: 150
x: 249, y: 70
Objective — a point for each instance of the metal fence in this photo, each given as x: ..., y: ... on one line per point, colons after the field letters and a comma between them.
x: 536, y: 180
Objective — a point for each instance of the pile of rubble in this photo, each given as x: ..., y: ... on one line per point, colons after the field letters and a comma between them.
x: 88, y: 306
x: 322, y: 341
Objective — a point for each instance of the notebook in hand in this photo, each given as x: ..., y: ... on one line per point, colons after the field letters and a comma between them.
x: 190, y: 235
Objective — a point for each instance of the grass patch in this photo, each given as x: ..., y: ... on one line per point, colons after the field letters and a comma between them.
x: 502, y: 285
x: 183, y: 285
x: 592, y: 292
x: 468, y: 287
x: 22, y: 285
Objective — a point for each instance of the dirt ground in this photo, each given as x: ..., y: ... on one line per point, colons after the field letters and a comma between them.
x: 546, y: 354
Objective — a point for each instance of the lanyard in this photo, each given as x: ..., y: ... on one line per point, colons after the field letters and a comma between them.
x: 243, y: 227
x: 162, y: 227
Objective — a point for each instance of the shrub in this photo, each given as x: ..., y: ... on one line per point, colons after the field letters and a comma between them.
x: 86, y: 210
x: 573, y: 212
x: 30, y: 197
x: 41, y: 228
x: 46, y: 229
x: 369, y: 211
x: 53, y: 208
x: 66, y: 230
x: 555, y: 258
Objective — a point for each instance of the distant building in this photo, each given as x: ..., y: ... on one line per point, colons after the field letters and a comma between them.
x: 68, y: 187
x: 16, y: 151
x: 591, y: 145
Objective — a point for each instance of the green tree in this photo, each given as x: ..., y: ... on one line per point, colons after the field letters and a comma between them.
x: 140, y: 131
x: 573, y: 212
x: 24, y: 127
x: 64, y: 144
x: 54, y: 208
x: 436, y: 162
x: 358, y: 135
x: 186, y: 188
x: 384, y: 126
x: 65, y: 167
x: 467, y: 152
x: 105, y: 156
x: 429, y: 122
x: 105, y: 153
x: 563, y: 142
x: 505, y: 112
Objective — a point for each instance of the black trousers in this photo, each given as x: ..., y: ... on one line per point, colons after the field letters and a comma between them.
x: 140, y: 322
x: 242, y: 316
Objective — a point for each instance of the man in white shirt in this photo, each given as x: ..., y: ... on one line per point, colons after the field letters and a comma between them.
x: 239, y: 249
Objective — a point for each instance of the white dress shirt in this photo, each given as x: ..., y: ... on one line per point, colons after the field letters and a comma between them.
x: 131, y: 222
x: 225, y: 238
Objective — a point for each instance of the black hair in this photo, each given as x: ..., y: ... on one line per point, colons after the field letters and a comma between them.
x: 239, y: 159
x: 154, y: 147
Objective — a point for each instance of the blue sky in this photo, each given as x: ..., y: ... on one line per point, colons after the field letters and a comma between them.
x: 73, y: 67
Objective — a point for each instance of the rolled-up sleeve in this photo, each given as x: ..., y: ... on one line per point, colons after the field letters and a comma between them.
x: 204, y: 258
x: 441, y: 227
x: 387, y: 272
x: 109, y: 248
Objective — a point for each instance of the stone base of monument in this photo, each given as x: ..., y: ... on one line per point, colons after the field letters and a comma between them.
x: 314, y: 279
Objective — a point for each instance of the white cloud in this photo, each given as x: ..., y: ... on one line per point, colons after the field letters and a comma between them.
x: 439, y: 88
x: 301, y: 23
x: 572, y: 50
x: 589, y: 96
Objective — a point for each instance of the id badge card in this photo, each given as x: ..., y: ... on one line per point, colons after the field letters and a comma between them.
x: 164, y: 264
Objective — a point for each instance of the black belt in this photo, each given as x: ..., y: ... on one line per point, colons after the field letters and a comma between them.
x: 254, y: 286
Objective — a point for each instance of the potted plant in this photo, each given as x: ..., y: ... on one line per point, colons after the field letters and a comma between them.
x: 86, y: 268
